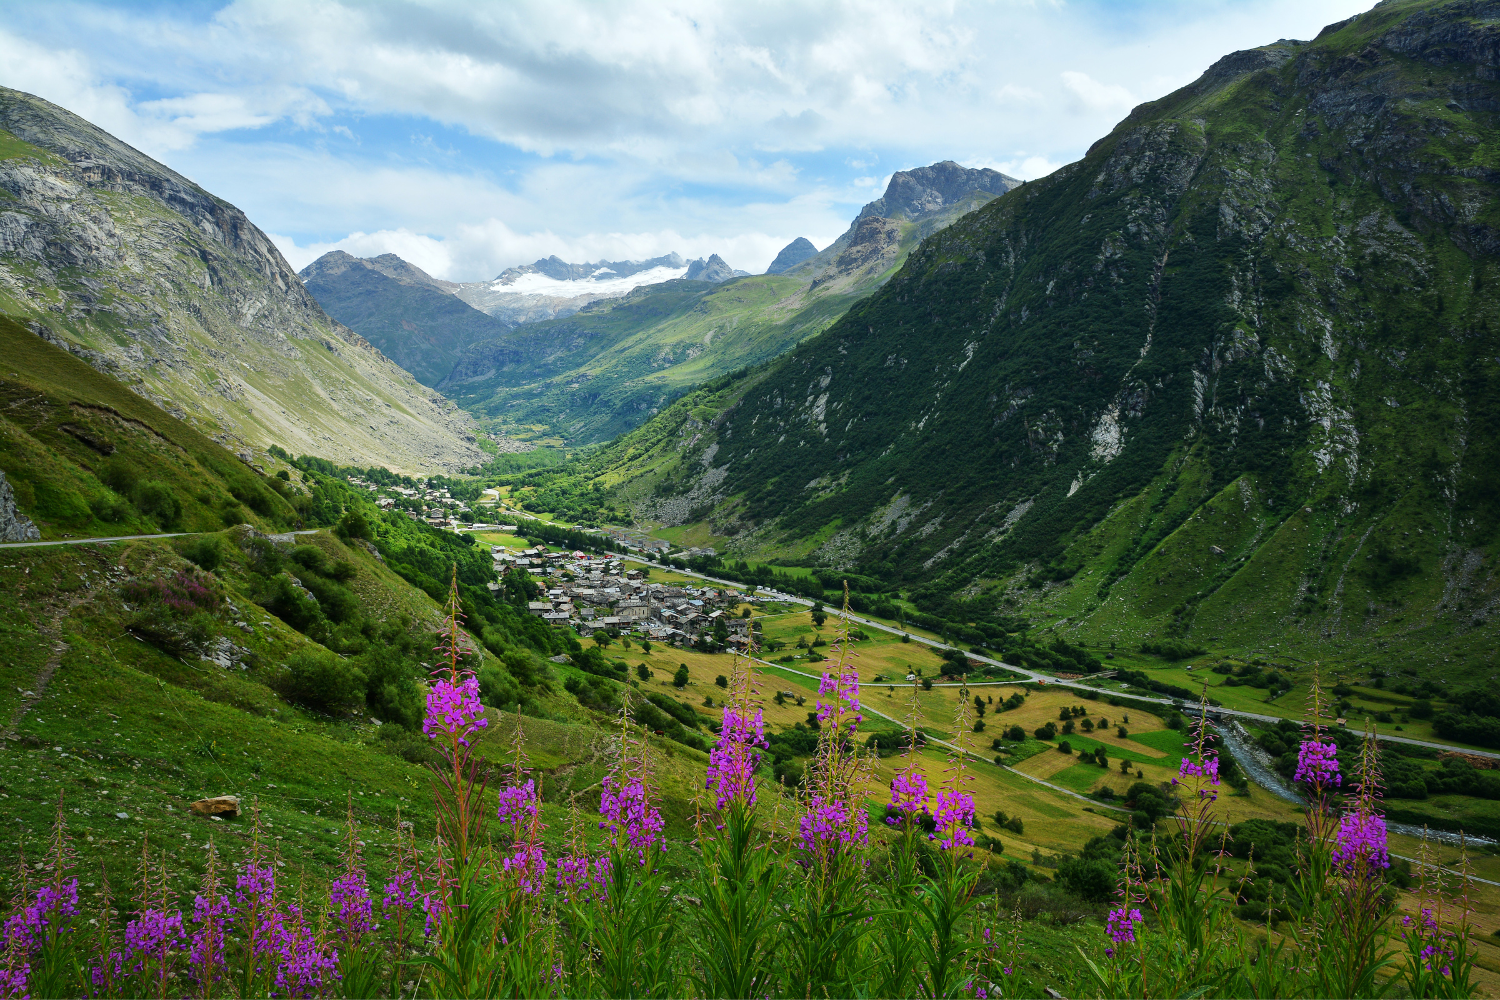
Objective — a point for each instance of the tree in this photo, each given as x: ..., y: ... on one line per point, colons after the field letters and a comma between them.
x: 646, y: 646
x: 819, y: 616
x: 680, y: 678
x: 979, y: 705
x: 978, y: 725
x: 722, y: 681
x: 926, y: 683
x: 643, y: 672
x: 1122, y: 732
x: 1124, y: 764
x: 1015, y: 734
x: 602, y: 638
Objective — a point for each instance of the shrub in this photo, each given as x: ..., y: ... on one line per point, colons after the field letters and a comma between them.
x: 323, y: 681
x: 680, y: 678
x: 722, y: 681
x: 206, y: 551
x: 157, y: 501
x: 643, y: 672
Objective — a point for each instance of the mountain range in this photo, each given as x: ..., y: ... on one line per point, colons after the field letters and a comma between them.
x: 154, y: 281
x: 616, y: 362
x: 1233, y: 377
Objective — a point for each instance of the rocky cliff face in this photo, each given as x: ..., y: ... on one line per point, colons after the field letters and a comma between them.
x: 14, y: 526
x: 153, y: 280
x: 1232, y: 375
x: 911, y: 194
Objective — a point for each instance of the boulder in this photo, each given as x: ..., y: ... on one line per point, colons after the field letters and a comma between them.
x: 218, y: 806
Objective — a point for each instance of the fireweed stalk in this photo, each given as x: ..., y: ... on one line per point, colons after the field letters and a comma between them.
x: 462, y: 904
x: 1189, y: 898
x: 827, y: 921
x: 627, y: 919
x: 524, y: 938
x: 736, y: 940
x: 942, y: 903
x: 1439, y: 958
x: 1318, y: 779
x: 353, y: 914
x: 40, y: 957
x: 908, y: 808
x: 1352, y: 957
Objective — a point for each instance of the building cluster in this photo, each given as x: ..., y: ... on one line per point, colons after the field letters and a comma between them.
x: 421, y: 503
x: 593, y: 592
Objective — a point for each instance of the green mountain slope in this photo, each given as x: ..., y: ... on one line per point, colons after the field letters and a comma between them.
x: 153, y: 280
x: 85, y: 456
x: 397, y: 307
x: 1233, y: 376
x: 588, y: 377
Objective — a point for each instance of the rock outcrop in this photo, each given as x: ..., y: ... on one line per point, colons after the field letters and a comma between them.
x: 151, y: 279
x: 14, y: 526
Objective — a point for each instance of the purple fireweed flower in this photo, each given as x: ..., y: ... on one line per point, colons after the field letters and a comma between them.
x: 211, y: 918
x: 1120, y: 925
x: 401, y: 893
x: 1361, y: 841
x: 1208, y: 768
x: 581, y: 881
x: 518, y: 804
x: 908, y: 797
x: 153, y: 934
x: 256, y: 885
x: 843, y: 693
x: 303, y: 965
x: 13, y: 980
x: 954, y: 813
x: 528, y: 865
x: 732, y: 762
x: 1318, y: 764
x: 27, y: 927
x: 453, y: 707
x: 830, y: 824
x: 627, y: 810
x: 349, y: 899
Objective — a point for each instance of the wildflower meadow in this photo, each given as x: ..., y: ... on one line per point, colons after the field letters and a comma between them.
x: 821, y: 893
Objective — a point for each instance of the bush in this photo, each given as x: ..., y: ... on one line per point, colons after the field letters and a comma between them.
x: 498, y: 688
x: 643, y: 672
x: 722, y: 681
x: 206, y: 551
x: 1172, y: 649
x: 1065, y: 747
x: 680, y: 678
x: 157, y: 501
x: 323, y: 681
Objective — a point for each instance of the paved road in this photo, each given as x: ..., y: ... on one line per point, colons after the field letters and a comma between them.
x: 1039, y: 677
x: 126, y: 538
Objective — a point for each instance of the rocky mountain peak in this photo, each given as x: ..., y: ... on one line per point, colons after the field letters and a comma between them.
x: 714, y: 269
x: 792, y: 254
x: 912, y: 194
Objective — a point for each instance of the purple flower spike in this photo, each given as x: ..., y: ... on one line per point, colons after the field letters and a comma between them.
x: 1318, y: 764
x: 908, y: 796
x: 732, y: 762
x: 518, y: 803
x: 832, y: 824
x: 401, y: 893
x: 1120, y: 925
x: 351, y: 904
x: 453, y: 707
x: 954, y: 814
x: 1361, y: 838
x: 844, y: 689
x: 627, y: 810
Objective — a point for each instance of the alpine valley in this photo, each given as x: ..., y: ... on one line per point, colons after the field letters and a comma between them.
x: 903, y: 620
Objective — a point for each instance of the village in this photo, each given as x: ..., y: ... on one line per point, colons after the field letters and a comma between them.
x: 593, y: 593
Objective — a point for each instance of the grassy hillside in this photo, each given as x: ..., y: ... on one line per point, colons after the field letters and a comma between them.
x: 88, y: 457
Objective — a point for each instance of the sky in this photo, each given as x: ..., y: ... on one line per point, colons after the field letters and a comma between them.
x: 471, y: 137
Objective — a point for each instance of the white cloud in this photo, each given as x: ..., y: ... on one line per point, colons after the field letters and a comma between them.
x: 1092, y: 96
x: 614, y: 130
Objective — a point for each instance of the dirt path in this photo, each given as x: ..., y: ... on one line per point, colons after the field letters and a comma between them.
x: 49, y: 669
